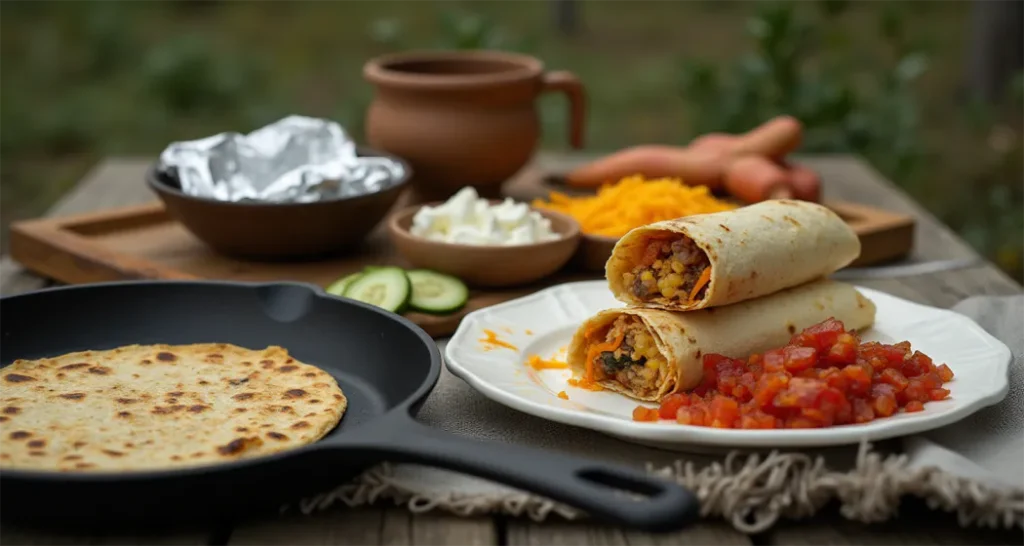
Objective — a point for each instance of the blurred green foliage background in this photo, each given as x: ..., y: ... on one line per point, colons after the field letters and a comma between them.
x: 83, y: 80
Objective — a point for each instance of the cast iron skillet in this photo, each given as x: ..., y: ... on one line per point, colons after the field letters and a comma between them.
x: 385, y: 365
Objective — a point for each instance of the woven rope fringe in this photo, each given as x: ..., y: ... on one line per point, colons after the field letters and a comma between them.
x: 750, y: 492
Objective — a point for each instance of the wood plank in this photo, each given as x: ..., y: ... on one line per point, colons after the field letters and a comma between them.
x: 391, y: 526
x: 22, y: 536
x: 916, y: 525
x: 586, y: 534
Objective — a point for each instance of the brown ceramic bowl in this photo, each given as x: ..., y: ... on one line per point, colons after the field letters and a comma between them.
x: 278, y: 231
x: 490, y: 266
x: 594, y: 251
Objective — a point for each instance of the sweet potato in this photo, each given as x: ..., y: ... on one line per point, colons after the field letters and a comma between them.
x: 755, y: 178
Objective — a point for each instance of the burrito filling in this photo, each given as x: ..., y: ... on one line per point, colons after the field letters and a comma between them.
x: 674, y: 269
x: 627, y: 354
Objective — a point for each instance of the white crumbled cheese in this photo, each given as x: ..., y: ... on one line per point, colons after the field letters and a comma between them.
x: 467, y: 219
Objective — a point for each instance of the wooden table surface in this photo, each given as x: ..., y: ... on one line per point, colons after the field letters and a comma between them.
x: 118, y: 182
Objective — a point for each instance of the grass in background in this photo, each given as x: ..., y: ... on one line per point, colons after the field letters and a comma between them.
x: 84, y: 80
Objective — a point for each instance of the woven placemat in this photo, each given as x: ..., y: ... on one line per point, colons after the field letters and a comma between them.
x: 974, y: 468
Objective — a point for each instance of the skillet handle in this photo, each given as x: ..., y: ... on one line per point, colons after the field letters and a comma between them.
x: 586, y: 484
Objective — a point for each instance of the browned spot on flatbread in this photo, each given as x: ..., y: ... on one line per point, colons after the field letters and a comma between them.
x: 164, y: 410
x: 285, y: 369
x: 164, y: 356
x: 60, y: 375
x: 84, y: 465
x: 243, y: 396
x: 767, y: 218
x: 37, y: 453
x: 124, y: 414
x: 73, y: 395
x: 145, y: 362
x: 215, y: 355
x: 75, y: 366
x: 314, y: 401
x: 72, y: 457
x: 276, y: 435
x: 198, y: 408
x: 266, y: 364
x: 36, y: 443
x: 241, y: 429
x: 78, y: 444
x: 294, y: 393
x: 791, y: 328
x: 4, y: 418
x: 238, y: 445
x: 175, y: 393
x: 19, y: 435
x: 313, y: 414
x: 239, y: 410
x: 300, y: 425
x: 175, y: 457
x: 723, y: 226
x: 17, y: 378
x: 791, y: 221
x: 112, y: 453
x: 126, y: 400
x: 100, y: 370
x: 337, y: 397
x: 12, y: 410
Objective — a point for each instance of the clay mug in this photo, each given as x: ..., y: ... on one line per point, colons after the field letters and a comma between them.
x: 463, y: 118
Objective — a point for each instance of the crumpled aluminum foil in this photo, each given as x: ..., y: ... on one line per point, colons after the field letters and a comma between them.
x: 297, y: 159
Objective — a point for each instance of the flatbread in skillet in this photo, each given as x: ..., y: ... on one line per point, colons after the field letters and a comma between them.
x: 147, y: 407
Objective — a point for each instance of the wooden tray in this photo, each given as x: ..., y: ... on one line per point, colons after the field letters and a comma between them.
x: 143, y: 242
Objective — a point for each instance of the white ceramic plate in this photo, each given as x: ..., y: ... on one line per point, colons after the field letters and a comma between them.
x: 543, y: 323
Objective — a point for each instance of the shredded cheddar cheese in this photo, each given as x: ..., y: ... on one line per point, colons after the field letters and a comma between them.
x: 491, y: 341
x: 574, y: 382
x: 633, y: 202
x: 539, y: 363
x: 562, y: 395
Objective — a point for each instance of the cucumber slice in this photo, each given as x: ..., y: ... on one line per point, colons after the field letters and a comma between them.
x: 434, y: 292
x: 338, y: 287
x: 385, y: 287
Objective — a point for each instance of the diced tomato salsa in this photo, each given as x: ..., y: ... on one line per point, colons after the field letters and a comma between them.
x: 825, y: 376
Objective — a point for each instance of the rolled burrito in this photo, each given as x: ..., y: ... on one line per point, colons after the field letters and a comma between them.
x: 647, y: 353
x: 709, y: 260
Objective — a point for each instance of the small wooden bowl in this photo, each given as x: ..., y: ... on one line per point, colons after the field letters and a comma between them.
x: 279, y: 231
x: 487, y: 266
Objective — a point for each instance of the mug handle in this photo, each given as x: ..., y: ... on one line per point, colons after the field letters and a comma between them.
x: 567, y: 82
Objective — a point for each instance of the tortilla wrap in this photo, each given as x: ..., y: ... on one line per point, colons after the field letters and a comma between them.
x: 753, y: 251
x: 735, y: 330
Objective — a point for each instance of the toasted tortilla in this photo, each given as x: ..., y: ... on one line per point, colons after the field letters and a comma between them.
x: 754, y: 251
x: 146, y: 407
x: 735, y: 330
